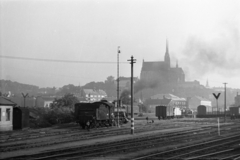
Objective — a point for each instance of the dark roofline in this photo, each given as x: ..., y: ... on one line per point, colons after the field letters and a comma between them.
x: 7, y: 102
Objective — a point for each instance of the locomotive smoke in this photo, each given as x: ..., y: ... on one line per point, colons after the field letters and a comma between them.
x: 221, y: 55
x: 141, y: 84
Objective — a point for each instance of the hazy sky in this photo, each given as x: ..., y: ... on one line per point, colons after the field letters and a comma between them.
x: 203, y: 35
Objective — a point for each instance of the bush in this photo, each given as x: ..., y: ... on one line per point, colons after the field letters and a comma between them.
x: 49, y: 117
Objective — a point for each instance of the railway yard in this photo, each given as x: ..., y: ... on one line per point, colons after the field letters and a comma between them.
x: 183, y: 138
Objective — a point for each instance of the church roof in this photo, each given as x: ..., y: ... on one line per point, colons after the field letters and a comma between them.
x: 178, y: 69
x: 164, y: 102
x: 153, y: 66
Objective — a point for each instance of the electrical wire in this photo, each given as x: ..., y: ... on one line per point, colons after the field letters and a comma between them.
x: 54, y: 60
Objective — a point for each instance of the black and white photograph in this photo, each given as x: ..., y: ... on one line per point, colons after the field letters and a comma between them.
x: 119, y: 79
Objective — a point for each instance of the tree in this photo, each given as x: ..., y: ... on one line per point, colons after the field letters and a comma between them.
x: 62, y: 109
x: 68, y: 101
x: 110, y: 80
x: 70, y: 88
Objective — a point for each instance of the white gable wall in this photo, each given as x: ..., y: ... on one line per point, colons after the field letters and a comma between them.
x: 6, y: 118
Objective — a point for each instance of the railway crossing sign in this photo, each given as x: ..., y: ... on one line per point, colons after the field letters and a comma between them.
x: 216, y: 96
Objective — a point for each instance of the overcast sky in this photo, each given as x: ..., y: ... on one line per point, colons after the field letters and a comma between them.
x: 203, y: 35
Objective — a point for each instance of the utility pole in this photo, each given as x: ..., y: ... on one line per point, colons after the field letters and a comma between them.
x: 24, y: 98
x: 132, y: 61
x: 118, y: 86
x: 225, y: 97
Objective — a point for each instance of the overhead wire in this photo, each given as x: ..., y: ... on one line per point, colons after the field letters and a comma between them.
x: 54, y: 60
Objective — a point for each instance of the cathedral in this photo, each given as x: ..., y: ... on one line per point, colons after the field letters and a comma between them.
x: 161, y: 72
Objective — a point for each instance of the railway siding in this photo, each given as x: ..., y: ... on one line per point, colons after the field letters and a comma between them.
x: 110, y: 135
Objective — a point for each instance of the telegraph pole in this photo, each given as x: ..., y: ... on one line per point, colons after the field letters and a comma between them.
x: 225, y: 97
x: 24, y: 98
x: 132, y: 61
x: 118, y: 86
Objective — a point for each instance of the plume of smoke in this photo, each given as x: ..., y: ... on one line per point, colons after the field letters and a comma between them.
x: 221, y: 55
x: 142, y: 84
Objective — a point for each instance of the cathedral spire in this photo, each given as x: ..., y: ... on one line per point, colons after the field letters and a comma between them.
x: 207, y: 85
x: 167, y: 57
x: 166, y: 46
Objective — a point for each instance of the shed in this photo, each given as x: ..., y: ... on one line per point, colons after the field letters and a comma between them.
x: 21, y: 118
x: 6, y: 114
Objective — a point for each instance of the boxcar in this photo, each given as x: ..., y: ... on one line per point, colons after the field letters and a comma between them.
x: 163, y: 112
x: 97, y: 114
x: 201, y: 110
x: 235, y: 111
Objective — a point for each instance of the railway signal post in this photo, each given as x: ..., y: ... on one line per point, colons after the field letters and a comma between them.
x: 225, y: 98
x: 132, y: 61
x: 24, y: 98
x: 216, y: 96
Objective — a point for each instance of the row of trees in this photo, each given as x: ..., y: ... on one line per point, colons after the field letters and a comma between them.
x: 18, y: 88
x: 61, y: 111
x: 108, y: 86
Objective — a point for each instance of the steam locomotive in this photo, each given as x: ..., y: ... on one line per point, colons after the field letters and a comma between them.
x: 97, y: 114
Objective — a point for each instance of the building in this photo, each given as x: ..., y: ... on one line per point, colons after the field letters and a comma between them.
x: 162, y: 77
x: 175, y: 100
x: 152, y: 103
x: 44, y: 101
x: 6, y: 114
x: 196, y: 101
x: 161, y: 72
x: 38, y: 101
x: 190, y: 84
x: 93, y: 95
x: 237, y: 100
x: 166, y: 100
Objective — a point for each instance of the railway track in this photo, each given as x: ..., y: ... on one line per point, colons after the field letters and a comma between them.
x: 26, y: 135
x: 71, y: 137
x: 124, y: 146
x: 206, y: 150
x: 222, y: 154
x: 38, y: 133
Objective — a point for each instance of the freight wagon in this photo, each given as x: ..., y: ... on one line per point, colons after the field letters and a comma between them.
x: 205, y: 112
x: 163, y: 112
x: 201, y: 110
x: 235, y: 111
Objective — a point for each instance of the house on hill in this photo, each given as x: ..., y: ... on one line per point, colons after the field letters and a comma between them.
x: 92, y: 95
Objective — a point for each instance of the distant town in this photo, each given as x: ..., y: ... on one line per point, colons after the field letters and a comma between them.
x: 157, y: 78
